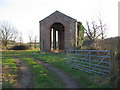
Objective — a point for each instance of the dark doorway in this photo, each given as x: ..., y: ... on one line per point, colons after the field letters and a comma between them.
x: 57, y: 37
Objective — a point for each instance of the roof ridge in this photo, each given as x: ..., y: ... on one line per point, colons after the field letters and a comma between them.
x: 58, y: 12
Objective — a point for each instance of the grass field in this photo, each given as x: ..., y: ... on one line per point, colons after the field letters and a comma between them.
x: 42, y: 77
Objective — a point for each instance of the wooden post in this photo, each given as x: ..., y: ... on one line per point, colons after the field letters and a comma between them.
x: 113, y: 68
x: 89, y: 53
x: 118, y: 59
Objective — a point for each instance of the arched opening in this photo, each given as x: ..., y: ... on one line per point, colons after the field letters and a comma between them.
x: 57, y: 37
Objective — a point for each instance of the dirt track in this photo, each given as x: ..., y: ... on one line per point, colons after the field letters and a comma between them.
x: 24, y: 75
x: 24, y: 80
x: 68, y: 82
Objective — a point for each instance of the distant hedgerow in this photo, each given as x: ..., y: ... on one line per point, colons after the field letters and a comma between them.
x: 20, y: 47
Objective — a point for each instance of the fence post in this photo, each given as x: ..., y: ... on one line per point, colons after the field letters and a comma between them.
x: 89, y: 53
x: 113, y: 69
x: 67, y: 56
x: 67, y: 52
x: 118, y: 64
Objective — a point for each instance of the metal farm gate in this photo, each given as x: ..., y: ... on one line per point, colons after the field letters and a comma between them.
x: 92, y: 61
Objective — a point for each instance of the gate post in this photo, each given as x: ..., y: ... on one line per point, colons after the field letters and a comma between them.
x: 113, y: 69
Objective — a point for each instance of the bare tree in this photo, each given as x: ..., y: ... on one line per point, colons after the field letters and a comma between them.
x: 92, y: 31
x: 102, y: 29
x: 35, y: 42
x: 7, y: 33
x: 30, y: 36
x: 20, y: 39
x: 95, y: 30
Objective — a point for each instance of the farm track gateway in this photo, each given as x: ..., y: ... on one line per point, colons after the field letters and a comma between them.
x: 68, y: 82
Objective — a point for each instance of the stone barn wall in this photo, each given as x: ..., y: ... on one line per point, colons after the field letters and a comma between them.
x: 70, y: 28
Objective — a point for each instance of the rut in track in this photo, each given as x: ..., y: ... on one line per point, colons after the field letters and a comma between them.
x: 24, y: 75
x: 68, y: 82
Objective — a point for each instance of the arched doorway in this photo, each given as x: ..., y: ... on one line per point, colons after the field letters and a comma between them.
x: 57, y: 41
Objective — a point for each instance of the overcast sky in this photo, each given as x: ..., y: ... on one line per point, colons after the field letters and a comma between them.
x: 26, y: 14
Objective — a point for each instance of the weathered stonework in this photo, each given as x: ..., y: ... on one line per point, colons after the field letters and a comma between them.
x: 70, y: 31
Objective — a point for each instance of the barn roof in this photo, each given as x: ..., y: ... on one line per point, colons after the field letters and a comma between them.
x: 57, y: 12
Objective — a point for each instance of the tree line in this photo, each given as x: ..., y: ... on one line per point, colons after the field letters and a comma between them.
x: 10, y: 34
x: 93, y: 31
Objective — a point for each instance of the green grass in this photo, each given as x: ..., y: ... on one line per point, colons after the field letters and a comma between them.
x: 9, y: 72
x: 41, y: 78
x: 85, y: 79
x: 59, y: 60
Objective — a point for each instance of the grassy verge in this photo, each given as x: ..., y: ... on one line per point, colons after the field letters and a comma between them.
x: 9, y: 72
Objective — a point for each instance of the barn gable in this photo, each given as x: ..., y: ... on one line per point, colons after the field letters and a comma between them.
x: 56, y: 15
x: 61, y: 26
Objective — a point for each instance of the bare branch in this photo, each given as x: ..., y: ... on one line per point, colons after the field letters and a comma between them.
x: 96, y: 30
x: 7, y: 33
